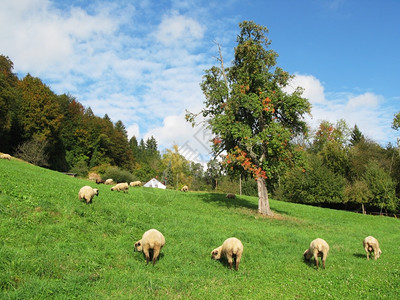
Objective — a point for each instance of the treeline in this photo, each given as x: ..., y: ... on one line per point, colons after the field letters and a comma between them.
x: 345, y: 170
x: 341, y: 169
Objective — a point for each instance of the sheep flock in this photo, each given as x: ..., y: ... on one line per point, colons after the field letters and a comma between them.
x: 231, y: 250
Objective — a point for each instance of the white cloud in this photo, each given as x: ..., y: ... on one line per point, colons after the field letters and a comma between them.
x: 193, y: 143
x: 178, y: 29
x: 367, y: 110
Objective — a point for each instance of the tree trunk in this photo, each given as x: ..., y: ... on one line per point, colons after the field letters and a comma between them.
x: 363, y: 209
x: 263, y: 202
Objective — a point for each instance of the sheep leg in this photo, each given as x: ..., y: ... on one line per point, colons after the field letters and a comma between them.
x: 324, y: 259
x: 237, y: 260
x: 156, y: 252
x: 316, y: 257
x: 146, y: 253
x: 366, y: 250
x: 229, y: 257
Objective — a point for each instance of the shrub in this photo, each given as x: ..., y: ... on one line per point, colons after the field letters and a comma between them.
x: 316, y: 185
x: 118, y: 175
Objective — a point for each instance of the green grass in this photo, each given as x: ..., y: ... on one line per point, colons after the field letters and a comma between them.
x: 53, y: 246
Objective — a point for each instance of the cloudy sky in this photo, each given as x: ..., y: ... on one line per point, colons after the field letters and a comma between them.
x: 141, y: 62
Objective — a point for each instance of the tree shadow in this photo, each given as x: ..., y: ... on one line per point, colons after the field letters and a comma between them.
x: 221, y: 200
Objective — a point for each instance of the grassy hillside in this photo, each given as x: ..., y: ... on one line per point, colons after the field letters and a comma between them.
x: 53, y: 246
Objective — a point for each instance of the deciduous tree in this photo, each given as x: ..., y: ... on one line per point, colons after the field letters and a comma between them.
x: 253, y: 118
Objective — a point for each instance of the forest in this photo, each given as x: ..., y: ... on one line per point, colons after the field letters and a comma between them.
x: 341, y: 167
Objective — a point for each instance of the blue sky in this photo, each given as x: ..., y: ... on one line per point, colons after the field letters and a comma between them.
x: 142, y: 61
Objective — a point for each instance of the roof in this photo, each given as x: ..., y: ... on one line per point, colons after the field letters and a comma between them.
x: 154, y: 183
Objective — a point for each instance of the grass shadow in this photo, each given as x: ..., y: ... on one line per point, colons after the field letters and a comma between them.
x: 359, y: 255
x: 221, y: 200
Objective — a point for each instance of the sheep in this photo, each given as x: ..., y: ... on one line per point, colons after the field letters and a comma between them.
x: 120, y: 187
x: 185, y: 188
x: 87, y: 193
x: 230, y: 196
x: 5, y: 156
x: 135, y: 183
x: 232, y: 248
x: 371, y: 244
x: 108, y: 181
x: 318, y: 248
x: 152, y: 241
x: 99, y: 181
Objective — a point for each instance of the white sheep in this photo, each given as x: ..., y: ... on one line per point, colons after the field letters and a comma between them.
x: 371, y: 244
x: 120, y: 187
x: 318, y: 248
x: 135, y: 183
x: 230, y: 196
x: 185, y: 188
x: 5, y: 156
x: 109, y: 181
x: 152, y: 241
x: 87, y: 193
x: 232, y: 248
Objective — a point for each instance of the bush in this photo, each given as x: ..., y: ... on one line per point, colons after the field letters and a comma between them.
x: 317, y: 185
x: 118, y: 175
x: 80, y: 168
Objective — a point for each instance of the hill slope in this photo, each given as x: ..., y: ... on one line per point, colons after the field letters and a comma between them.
x: 53, y: 246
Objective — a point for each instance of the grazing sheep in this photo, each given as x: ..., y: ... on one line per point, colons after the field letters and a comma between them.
x: 5, y: 156
x: 99, y: 181
x: 230, y: 196
x: 135, y: 183
x: 318, y: 248
x: 87, y: 193
x: 152, y: 241
x: 371, y: 244
x: 109, y: 181
x: 185, y: 188
x: 232, y: 248
x: 120, y: 187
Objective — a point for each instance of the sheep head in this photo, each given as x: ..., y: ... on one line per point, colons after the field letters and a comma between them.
x: 138, y: 246
x: 216, y: 253
x: 307, y: 254
x: 96, y: 192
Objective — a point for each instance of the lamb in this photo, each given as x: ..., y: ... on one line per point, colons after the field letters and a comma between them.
x: 232, y: 248
x: 120, y: 187
x: 371, y: 244
x: 5, y: 156
x: 108, y: 181
x: 135, y: 183
x: 185, y: 188
x: 152, y: 241
x: 318, y: 248
x: 230, y: 196
x: 87, y: 193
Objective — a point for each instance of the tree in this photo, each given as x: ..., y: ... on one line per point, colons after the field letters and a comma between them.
x: 253, y: 118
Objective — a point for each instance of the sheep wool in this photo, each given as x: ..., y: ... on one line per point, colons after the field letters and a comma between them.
x: 371, y: 244
x: 5, y: 156
x: 230, y: 196
x: 232, y: 249
x: 108, y: 181
x: 152, y: 241
x: 120, y: 187
x: 185, y: 188
x: 135, y: 183
x: 318, y: 248
x: 87, y: 193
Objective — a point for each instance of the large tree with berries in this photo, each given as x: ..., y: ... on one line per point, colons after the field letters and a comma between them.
x: 252, y: 114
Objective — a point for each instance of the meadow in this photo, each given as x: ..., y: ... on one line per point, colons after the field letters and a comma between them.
x: 52, y: 246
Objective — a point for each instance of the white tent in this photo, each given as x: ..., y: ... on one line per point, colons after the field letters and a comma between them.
x: 154, y: 183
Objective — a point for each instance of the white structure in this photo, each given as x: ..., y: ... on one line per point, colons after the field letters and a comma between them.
x: 154, y: 183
